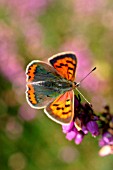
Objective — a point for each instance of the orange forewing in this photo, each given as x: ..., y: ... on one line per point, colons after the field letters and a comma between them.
x: 65, y: 64
x: 62, y: 109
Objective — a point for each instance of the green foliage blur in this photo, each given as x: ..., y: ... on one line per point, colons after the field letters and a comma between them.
x: 38, y: 29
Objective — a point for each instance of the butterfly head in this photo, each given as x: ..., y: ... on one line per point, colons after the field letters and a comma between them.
x: 76, y: 84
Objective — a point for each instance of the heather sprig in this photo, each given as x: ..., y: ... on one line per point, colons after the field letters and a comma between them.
x: 86, y: 121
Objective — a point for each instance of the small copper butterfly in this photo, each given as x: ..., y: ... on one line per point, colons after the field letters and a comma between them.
x: 50, y: 86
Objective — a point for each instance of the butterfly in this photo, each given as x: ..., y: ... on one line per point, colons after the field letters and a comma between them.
x: 51, y: 86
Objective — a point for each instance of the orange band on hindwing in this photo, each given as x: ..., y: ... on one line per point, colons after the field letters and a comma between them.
x: 31, y: 94
x: 31, y: 72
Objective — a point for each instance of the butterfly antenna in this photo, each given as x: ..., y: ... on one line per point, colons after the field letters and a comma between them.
x: 78, y: 84
x: 85, y: 76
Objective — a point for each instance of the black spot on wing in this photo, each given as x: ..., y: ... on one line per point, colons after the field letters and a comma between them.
x: 61, y: 64
x: 70, y: 73
x: 59, y: 108
x: 58, y: 66
x: 70, y: 68
x: 71, y: 62
x: 55, y: 104
x: 67, y: 105
x: 65, y: 113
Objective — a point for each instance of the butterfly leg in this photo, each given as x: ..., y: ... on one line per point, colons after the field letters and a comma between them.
x: 83, y: 97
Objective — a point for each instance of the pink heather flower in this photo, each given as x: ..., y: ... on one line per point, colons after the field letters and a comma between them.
x: 68, y: 127
x: 84, y: 129
x: 92, y: 126
x: 79, y: 138
x: 71, y: 135
x: 83, y: 122
x: 102, y: 142
x: 107, y: 138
